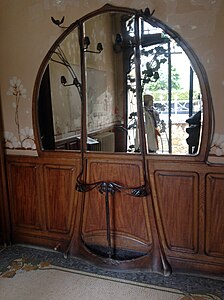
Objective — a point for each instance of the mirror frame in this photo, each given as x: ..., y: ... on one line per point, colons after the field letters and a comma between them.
x: 206, y: 136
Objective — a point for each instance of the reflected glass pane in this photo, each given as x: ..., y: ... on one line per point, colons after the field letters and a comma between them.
x: 64, y: 72
x: 133, y: 142
x: 171, y: 95
x: 170, y: 91
x: 101, y: 97
x: 107, y: 104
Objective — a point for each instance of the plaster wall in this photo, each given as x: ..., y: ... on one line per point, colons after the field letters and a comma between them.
x: 27, y: 33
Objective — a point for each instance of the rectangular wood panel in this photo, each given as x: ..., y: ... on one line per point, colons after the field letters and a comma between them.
x: 24, y: 195
x: 214, y: 215
x: 59, y: 183
x: 177, y: 194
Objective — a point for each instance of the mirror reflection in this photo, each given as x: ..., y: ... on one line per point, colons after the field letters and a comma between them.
x: 170, y: 94
x: 60, y: 98
x: 104, y: 93
x: 172, y: 103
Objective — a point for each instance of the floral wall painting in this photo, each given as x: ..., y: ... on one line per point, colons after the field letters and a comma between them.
x: 24, y: 137
x: 217, y: 147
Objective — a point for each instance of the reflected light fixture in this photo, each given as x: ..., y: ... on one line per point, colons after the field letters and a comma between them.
x: 63, y: 61
x: 64, y: 81
x: 120, y: 43
x: 86, y: 43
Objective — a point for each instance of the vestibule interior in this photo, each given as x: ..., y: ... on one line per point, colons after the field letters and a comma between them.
x: 137, y: 209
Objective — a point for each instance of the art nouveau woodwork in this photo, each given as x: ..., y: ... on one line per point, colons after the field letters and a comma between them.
x: 131, y: 231
x: 189, y: 206
x: 41, y: 201
x: 178, y: 208
x: 58, y: 199
x: 214, y: 211
x: 25, y: 196
x: 187, y: 198
x: 58, y: 180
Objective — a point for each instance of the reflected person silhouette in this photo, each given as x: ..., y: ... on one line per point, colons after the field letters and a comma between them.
x: 151, y: 124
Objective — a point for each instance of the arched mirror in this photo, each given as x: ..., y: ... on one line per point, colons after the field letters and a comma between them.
x: 121, y: 80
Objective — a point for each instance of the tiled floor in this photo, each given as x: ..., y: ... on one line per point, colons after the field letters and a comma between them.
x: 183, y: 282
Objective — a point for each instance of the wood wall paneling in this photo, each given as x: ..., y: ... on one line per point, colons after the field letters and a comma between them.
x: 44, y: 207
x: 128, y: 215
x: 42, y: 200
x: 214, y: 215
x: 177, y: 194
x: 59, y: 184
x: 25, y: 200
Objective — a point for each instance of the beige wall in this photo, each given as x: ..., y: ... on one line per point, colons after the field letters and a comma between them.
x: 27, y: 33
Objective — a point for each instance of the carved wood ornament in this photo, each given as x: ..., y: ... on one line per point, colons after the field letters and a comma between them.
x: 116, y: 209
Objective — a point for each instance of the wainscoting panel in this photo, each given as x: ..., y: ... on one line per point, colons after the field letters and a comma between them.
x: 42, y: 200
x: 177, y: 194
x: 214, y: 215
x: 25, y: 202
x: 59, y: 183
x: 129, y: 220
x: 186, y: 201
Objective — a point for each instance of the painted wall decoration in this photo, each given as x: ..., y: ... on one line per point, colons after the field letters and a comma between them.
x: 101, y: 110
x: 217, y: 147
x: 24, y: 137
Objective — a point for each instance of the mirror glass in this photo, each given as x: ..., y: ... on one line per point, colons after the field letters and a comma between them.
x: 104, y: 93
x: 114, y: 52
x: 171, y: 95
x: 109, y: 104
x: 59, y: 97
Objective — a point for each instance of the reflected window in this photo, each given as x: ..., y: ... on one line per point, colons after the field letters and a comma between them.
x: 171, y: 95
